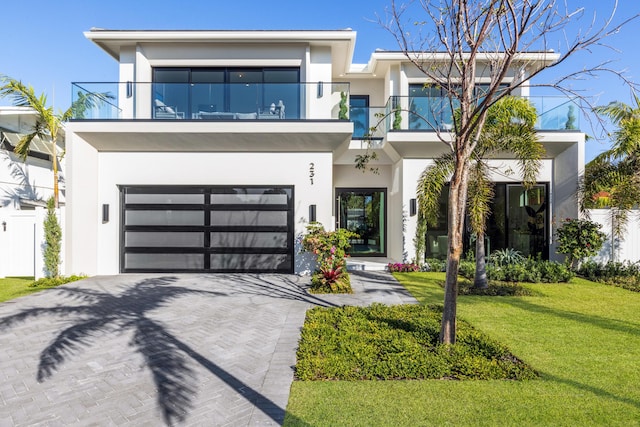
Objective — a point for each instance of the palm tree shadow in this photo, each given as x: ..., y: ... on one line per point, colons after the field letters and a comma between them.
x: 168, y: 358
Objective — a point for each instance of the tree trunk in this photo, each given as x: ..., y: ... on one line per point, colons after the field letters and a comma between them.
x: 480, y: 278
x: 456, y: 210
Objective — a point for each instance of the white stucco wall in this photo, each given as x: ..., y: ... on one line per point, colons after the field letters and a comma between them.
x: 568, y: 169
x: 94, y: 246
x: 28, y: 180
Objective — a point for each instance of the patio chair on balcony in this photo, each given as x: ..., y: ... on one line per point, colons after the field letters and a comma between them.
x: 163, y: 111
x: 272, y: 112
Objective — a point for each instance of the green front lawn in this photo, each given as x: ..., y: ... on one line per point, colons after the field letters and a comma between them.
x: 582, y: 337
x: 14, y: 287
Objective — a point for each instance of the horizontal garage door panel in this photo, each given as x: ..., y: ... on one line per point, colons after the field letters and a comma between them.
x: 207, y: 229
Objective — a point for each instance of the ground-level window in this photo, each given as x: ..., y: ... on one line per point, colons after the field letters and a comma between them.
x: 519, y: 220
x: 363, y: 211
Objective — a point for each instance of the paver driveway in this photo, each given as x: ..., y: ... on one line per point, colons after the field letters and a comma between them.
x: 161, y: 349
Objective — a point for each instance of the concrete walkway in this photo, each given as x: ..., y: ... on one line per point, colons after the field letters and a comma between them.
x: 132, y: 350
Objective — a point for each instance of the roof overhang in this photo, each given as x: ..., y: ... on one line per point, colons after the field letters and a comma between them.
x: 429, y: 145
x: 342, y: 42
x: 381, y: 60
x: 236, y: 136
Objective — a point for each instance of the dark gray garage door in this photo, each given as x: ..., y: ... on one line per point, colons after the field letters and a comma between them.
x: 207, y: 229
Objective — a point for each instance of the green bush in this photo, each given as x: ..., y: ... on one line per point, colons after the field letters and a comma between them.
x: 467, y: 269
x: 579, y: 239
x: 50, y: 282
x: 52, y: 240
x: 434, y: 264
x: 495, y: 288
x: 621, y: 274
x: 397, y: 342
x: 506, y: 256
x: 530, y: 270
x: 344, y: 109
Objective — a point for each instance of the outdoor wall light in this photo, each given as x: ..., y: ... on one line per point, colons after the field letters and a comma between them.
x: 129, y: 89
x: 413, y: 207
x: 312, y: 213
x: 320, y: 89
x: 105, y: 213
x: 4, y: 225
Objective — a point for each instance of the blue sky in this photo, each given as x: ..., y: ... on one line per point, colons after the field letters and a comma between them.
x: 43, y: 43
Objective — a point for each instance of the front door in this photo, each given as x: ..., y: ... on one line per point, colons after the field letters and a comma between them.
x: 363, y: 211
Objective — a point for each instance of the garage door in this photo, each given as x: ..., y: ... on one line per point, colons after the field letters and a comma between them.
x: 207, y: 229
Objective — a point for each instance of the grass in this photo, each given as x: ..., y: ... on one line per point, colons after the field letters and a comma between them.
x: 397, y: 342
x: 582, y: 337
x: 14, y: 287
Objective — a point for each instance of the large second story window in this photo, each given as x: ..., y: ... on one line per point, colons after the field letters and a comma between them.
x: 226, y: 93
x: 431, y: 108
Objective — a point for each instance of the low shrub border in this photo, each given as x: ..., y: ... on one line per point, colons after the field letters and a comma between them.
x: 398, y: 342
x: 624, y: 275
x: 399, y: 267
x: 522, y: 270
x: 50, y: 282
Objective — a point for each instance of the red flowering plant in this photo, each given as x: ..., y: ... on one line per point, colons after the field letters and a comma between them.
x: 330, y: 249
x: 402, y: 267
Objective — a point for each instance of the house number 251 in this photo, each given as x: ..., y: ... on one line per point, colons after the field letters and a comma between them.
x: 312, y: 173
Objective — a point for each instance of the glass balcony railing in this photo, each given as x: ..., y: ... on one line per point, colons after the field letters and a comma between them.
x: 211, y: 101
x: 436, y: 113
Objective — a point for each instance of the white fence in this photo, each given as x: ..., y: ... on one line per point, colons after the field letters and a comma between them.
x: 628, y: 248
x: 21, y: 242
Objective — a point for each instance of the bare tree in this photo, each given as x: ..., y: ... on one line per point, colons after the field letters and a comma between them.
x: 458, y: 43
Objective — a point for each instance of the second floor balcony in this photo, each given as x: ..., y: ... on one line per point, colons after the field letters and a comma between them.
x: 290, y: 101
x: 212, y: 101
x: 431, y: 114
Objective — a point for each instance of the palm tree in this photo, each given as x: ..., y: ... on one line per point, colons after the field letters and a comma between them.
x: 509, y: 128
x: 47, y: 124
x: 612, y: 179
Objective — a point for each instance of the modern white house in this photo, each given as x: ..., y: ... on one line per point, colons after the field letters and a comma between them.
x: 219, y: 147
x: 24, y: 188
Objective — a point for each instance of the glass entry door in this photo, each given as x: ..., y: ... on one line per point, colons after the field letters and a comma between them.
x: 363, y: 211
x: 527, y: 219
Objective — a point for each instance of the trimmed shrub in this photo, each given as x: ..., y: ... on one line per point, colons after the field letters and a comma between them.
x: 434, y: 264
x: 51, y: 282
x: 495, y: 289
x: 52, y: 240
x: 530, y: 270
x: 620, y: 274
x: 467, y: 269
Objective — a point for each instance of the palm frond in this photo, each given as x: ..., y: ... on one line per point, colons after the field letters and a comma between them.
x: 68, y: 342
x: 480, y: 194
x: 616, y: 111
x: 430, y: 185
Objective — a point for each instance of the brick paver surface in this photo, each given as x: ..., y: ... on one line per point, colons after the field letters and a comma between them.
x: 211, y: 350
